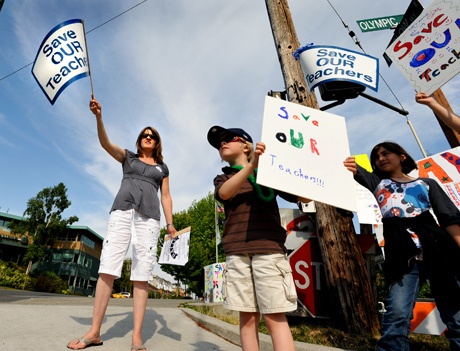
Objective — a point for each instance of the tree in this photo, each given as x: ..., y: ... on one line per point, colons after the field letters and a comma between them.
x: 200, y: 216
x: 43, y: 220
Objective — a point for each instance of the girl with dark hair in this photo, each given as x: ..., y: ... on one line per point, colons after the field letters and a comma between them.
x: 416, y: 246
x: 136, y: 205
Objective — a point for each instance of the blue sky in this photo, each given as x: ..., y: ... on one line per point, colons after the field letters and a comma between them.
x: 181, y: 66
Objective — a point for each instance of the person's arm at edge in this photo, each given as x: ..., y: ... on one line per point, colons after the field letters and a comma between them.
x: 447, y: 116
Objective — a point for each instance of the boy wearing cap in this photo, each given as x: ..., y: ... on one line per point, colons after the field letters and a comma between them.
x: 257, y: 278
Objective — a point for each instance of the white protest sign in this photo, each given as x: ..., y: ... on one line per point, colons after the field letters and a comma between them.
x: 427, y: 53
x: 322, y: 64
x: 175, y: 250
x: 61, y: 59
x: 305, y: 150
x: 368, y: 208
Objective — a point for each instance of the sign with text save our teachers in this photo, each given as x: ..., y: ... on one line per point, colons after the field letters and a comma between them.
x: 61, y: 59
x: 305, y: 150
x: 428, y: 51
x: 322, y: 64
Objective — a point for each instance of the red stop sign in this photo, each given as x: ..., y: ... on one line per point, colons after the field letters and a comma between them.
x: 309, y: 277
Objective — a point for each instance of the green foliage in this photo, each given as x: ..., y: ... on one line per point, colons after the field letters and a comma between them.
x: 50, y: 282
x: 43, y: 220
x: 201, y: 217
x: 124, y: 283
x: 14, y: 276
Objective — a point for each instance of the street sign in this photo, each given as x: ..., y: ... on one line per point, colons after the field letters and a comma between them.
x: 380, y: 23
x: 309, y: 278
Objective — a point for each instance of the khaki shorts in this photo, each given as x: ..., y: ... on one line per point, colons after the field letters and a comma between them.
x: 259, y: 283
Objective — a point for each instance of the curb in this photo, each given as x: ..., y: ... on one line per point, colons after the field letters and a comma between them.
x: 231, y: 333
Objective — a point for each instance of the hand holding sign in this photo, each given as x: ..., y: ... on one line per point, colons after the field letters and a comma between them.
x: 175, y: 250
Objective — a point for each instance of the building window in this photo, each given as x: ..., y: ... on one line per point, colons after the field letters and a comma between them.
x: 57, y: 257
x: 87, y: 241
x: 67, y: 257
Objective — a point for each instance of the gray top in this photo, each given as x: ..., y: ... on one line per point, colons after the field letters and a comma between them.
x: 139, y: 186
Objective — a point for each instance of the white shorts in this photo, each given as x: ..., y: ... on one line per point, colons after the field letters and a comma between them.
x: 259, y: 283
x: 123, y: 228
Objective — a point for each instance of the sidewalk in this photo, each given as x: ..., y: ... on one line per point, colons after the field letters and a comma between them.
x: 50, y: 323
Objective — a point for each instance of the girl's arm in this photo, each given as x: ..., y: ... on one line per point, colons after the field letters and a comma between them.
x: 166, y: 203
x: 115, y: 151
x: 361, y: 175
x: 447, y: 116
x: 454, y: 231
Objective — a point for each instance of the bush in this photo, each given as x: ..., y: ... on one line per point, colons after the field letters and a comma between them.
x: 50, y: 282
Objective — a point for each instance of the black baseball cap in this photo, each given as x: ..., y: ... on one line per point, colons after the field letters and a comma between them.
x: 215, y: 133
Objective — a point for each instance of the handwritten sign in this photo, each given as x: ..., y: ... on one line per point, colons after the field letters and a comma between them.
x: 175, y: 250
x: 322, y: 64
x: 445, y: 169
x: 305, y: 149
x: 428, y: 51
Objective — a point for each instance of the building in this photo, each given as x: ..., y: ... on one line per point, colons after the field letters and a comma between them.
x: 74, y: 256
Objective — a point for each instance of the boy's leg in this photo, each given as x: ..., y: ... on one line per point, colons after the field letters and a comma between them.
x: 249, y: 331
x: 280, y: 332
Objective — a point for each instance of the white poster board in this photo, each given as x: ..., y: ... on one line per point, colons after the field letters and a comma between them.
x: 305, y: 150
x: 175, y: 250
x: 427, y: 52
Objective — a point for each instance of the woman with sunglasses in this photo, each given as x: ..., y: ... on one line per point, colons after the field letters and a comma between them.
x: 136, y: 205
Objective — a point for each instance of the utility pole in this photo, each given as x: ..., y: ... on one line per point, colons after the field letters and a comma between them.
x: 452, y: 136
x: 352, y: 296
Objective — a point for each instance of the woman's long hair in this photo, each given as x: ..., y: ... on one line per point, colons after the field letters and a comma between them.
x: 157, y: 151
x: 407, y: 165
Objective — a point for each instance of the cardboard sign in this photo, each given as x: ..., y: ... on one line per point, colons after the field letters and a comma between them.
x: 175, y: 250
x: 305, y: 150
x: 427, y: 53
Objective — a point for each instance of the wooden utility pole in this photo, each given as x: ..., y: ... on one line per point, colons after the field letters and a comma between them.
x: 452, y: 137
x: 352, y: 297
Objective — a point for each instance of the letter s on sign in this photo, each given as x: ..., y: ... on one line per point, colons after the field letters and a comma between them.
x: 298, y: 266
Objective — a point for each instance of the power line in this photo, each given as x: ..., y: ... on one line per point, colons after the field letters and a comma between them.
x: 110, y: 20
x: 358, y: 43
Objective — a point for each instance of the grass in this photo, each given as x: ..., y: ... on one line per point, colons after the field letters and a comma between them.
x: 323, y: 332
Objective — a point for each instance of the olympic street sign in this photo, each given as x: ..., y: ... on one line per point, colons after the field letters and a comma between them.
x: 373, y: 24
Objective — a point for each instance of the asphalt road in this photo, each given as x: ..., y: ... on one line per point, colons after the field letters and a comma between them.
x: 25, y: 297
x: 32, y: 321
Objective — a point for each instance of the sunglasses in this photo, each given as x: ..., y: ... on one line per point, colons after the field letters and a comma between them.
x: 231, y: 138
x: 151, y: 136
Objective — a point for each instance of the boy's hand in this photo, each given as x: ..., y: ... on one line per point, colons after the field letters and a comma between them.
x: 259, y: 150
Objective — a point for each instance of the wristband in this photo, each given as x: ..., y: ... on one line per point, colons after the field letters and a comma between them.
x: 169, y: 224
